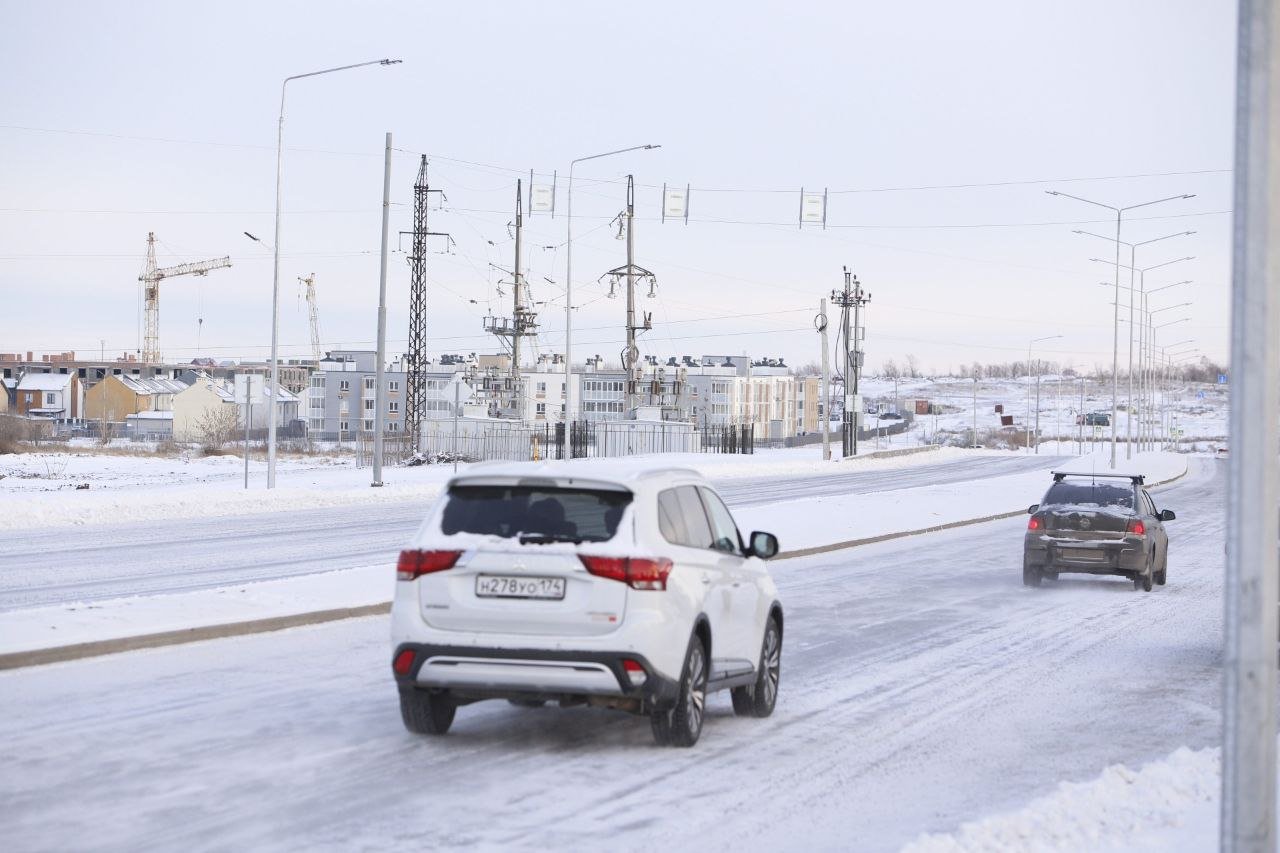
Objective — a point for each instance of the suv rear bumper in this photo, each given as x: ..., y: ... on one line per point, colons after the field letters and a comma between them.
x: 472, y: 673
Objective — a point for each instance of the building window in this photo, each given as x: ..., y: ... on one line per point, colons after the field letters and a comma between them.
x: 393, y: 426
x: 368, y: 405
x: 344, y: 385
x: 367, y: 426
x: 50, y: 399
x: 542, y: 410
x: 317, y: 381
x: 542, y: 387
x: 368, y: 383
x: 344, y: 426
x: 317, y: 403
x: 393, y: 385
x: 393, y: 406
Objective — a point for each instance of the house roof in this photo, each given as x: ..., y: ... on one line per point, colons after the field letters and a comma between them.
x: 151, y: 416
x: 44, y: 381
x: 138, y: 385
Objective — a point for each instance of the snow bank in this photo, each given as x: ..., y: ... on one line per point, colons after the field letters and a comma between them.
x: 1169, y: 805
x: 799, y: 524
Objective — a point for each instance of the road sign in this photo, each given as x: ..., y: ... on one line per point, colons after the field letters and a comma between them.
x: 1222, y: 379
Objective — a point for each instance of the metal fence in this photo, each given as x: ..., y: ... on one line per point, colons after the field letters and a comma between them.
x: 579, y: 440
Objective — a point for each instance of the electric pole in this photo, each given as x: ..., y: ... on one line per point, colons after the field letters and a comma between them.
x: 415, y: 403
x: 853, y: 296
x: 631, y: 272
x: 523, y: 319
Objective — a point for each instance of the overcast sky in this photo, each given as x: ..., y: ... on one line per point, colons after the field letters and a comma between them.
x: 119, y: 119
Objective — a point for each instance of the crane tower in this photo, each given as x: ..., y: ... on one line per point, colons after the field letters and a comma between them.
x: 151, y: 277
x: 314, y: 313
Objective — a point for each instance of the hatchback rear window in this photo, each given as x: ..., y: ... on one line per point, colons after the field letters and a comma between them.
x: 534, y: 513
x: 1088, y: 494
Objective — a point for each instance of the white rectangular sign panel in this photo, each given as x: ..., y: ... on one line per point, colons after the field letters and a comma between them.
x: 542, y: 198
x: 675, y: 202
x: 812, y: 207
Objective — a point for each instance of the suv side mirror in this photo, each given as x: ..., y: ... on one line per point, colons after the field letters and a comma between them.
x: 1167, y: 515
x: 1031, y: 510
x: 764, y: 545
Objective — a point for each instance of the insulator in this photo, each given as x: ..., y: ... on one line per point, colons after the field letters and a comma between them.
x: 652, y: 284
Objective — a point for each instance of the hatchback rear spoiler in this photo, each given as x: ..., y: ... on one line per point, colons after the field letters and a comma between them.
x: 1136, y: 479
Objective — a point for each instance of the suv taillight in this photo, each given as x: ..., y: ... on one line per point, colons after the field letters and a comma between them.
x: 635, y: 572
x: 414, y: 564
x: 1034, y: 523
x: 1136, y: 527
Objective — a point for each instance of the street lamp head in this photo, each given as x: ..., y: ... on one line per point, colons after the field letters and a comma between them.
x: 391, y: 62
x: 647, y: 147
x: 251, y: 237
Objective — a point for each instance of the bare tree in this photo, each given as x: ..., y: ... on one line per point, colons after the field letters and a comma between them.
x: 216, y: 427
x: 913, y: 366
x: 976, y: 370
x: 890, y: 369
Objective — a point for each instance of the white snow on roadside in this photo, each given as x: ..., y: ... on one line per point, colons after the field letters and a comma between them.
x: 1169, y: 805
x: 39, y: 489
x: 804, y: 523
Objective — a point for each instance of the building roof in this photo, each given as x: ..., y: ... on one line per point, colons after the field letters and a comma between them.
x: 44, y: 381
x: 151, y: 416
x: 138, y: 385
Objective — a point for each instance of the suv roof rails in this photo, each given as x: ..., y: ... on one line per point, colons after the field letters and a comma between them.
x: 1136, y: 479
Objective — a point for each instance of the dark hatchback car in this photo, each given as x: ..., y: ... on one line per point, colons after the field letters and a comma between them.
x: 1098, y: 524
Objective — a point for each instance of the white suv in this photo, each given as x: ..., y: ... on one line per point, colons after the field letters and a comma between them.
x: 603, y: 584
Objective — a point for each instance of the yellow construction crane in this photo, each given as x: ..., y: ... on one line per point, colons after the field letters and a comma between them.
x: 151, y: 277
x: 314, y: 312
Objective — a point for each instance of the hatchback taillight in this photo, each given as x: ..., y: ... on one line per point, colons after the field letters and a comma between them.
x: 1034, y: 523
x: 1136, y: 527
x: 635, y: 572
x: 414, y: 564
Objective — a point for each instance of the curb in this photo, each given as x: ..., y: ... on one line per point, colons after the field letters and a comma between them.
x: 97, y: 648
x: 38, y: 657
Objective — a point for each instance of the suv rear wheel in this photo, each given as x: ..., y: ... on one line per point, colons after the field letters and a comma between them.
x: 681, y: 724
x: 426, y: 712
x: 758, y: 699
x: 1030, y: 576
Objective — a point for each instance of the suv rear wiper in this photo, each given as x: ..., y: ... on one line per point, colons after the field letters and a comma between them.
x: 545, y: 538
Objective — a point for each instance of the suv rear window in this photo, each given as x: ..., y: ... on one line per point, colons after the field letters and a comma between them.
x: 1088, y: 494
x: 535, y: 512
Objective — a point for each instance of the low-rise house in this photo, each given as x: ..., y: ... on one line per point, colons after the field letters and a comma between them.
x: 196, y: 408
x: 7, y: 389
x: 117, y: 396
x: 49, y: 396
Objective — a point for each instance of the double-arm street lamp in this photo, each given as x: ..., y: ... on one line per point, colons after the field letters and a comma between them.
x: 1029, y: 344
x: 1133, y: 250
x: 275, y: 274
x: 568, y: 276
x: 1142, y: 284
x: 1115, y: 343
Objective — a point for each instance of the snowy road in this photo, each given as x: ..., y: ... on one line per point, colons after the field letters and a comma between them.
x: 922, y: 686
x: 92, y: 563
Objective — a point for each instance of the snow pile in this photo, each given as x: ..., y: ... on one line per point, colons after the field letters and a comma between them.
x: 1168, y: 805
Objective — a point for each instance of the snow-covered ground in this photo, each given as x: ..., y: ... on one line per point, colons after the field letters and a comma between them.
x: 923, y: 687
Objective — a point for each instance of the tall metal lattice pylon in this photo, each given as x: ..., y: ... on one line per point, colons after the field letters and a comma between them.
x: 416, y: 357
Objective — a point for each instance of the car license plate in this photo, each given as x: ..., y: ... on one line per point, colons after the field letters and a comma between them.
x: 507, y: 586
x: 1082, y: 554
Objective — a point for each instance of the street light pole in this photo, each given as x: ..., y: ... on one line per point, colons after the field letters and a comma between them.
x: 1142, y: 285
x: 1133, y: 249
x: 1034, y: 340
x: 1115, y: 343
x: 275, y: 273
x: 568, y: 276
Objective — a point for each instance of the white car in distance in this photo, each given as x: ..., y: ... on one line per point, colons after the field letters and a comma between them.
x: 605, y: 584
